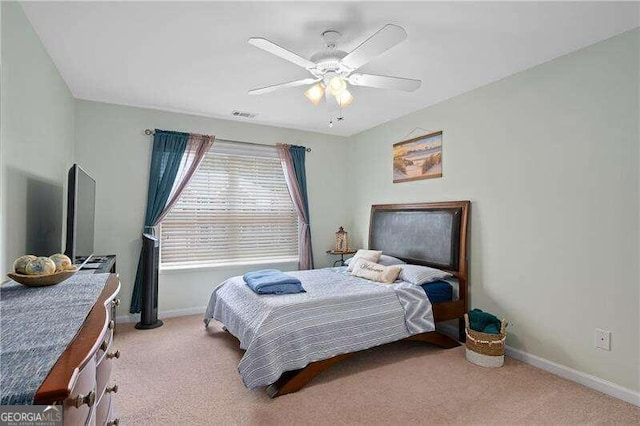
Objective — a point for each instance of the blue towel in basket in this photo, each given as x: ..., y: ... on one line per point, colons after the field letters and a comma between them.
x: 484, y: 322
x: 273, y: 281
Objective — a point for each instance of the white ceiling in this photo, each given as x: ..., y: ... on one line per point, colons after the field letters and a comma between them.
x: 194, y: 57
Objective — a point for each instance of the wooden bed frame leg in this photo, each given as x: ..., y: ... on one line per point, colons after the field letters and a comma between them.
x: 462, y: 335
x: 293, y: 381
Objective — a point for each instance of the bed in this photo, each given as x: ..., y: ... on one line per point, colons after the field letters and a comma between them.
x: 290, y: 339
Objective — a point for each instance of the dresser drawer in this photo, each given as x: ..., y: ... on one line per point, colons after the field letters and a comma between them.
x: 103, y: 374
x: 78, y: 408
x: 105, y: 345
x: 106, y: 341
x: 103, y: 411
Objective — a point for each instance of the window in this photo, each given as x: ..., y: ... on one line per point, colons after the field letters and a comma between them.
x: 236, y: 209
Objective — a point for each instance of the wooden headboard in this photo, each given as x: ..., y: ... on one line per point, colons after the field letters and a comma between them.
x: 431, y: 234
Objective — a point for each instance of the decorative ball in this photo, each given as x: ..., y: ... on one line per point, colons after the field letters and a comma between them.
x: 20, y: 265
x: 41, y: 266
x: 62, y: 261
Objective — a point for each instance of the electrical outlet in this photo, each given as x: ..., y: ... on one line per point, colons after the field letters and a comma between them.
x: 603, y: 339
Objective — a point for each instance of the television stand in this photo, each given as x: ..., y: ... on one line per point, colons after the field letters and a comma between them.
x: 101, y: 264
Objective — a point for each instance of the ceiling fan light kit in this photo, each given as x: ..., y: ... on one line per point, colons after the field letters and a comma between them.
x: 332, y: 68
x: 315, y: 93
x: 337, y: 85
x: 345, y: 98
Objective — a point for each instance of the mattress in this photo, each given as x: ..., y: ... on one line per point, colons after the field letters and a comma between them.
x: 444, y: 290
x: 338, y: 314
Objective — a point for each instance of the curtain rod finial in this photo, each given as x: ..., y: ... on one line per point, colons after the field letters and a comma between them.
x: 148, y: 132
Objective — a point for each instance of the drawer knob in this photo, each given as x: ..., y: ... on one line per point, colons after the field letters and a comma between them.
x: 113, y: 389
x: 115, y: 422
x: 88, y: 399
x: 116, y: 302
x: 104, y: 346
x: 112, y: 324
x: 115, y: 354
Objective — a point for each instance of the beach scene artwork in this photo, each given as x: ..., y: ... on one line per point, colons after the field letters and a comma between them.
x: 418, y: 158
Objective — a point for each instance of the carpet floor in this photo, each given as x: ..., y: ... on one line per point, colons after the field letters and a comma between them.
x: 182, y: 374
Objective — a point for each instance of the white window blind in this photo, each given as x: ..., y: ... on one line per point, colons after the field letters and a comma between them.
x: 236, y: 209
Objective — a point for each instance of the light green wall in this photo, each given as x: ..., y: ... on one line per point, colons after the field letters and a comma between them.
x: 112, y: 147
x: 549, y: 159
x: 37, y: 120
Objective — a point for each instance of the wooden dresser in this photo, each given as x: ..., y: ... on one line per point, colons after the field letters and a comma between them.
x: 81, y: 378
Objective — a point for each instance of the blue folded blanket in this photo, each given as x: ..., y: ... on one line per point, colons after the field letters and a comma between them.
x: 272, y: 281
x: 484, y: 322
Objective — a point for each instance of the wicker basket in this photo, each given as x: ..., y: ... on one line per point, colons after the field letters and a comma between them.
x: 484, y: 349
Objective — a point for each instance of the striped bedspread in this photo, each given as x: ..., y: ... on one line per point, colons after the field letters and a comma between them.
x: 338, y: 314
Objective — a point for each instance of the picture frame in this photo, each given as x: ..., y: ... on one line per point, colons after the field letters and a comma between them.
x: 418, y: 158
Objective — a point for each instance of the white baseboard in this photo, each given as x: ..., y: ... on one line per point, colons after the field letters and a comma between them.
x: 123, y: 319
x: 563, y: 371
x: 163, y: 314
x: 569, y: 373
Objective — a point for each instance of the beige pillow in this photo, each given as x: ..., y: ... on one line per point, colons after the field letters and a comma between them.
x: 370, y: 255
x: 375, y: 272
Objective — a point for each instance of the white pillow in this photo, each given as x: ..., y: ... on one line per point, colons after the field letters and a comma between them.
x: 372, y: 271
x: 418, y: 275
x: 370, y: 255
x: 384, y: 260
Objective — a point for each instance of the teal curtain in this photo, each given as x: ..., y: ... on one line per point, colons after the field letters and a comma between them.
x: 298, y: 155
x: 168, y: 149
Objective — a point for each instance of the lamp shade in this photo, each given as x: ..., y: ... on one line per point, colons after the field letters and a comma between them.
x: 344, y: 99
x: 337, y: 85
x: 315, y: 93
x: 342, y: 240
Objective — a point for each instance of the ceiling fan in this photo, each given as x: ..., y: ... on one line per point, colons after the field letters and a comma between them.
x: 334, y: 69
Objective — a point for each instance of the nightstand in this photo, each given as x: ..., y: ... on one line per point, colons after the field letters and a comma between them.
x: 341, y: 254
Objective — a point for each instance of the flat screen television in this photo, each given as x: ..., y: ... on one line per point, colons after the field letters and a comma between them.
x: 81, y: 209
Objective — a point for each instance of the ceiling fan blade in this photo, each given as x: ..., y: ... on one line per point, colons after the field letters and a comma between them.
x: 275, y: 87
x: 274, y: 49
x: 380, y: 42
x: 384, y: 82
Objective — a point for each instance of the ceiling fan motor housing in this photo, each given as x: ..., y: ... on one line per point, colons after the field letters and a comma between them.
x: 328, y: 61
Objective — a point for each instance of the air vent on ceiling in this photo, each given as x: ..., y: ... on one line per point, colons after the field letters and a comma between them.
x: 244, y: 114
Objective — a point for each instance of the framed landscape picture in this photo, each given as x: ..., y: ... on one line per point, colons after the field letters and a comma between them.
x: 418, y: 158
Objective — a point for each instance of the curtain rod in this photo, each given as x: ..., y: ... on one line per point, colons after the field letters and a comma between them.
x: 150, y: 132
